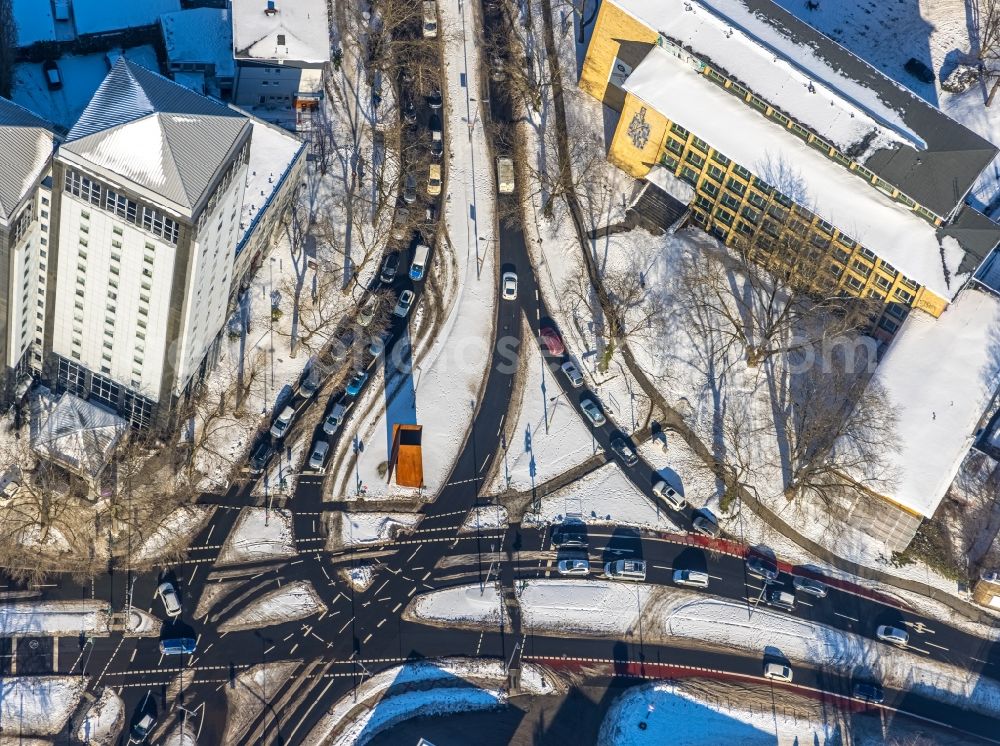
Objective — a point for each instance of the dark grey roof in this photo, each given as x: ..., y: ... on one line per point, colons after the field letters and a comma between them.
x: 157, y: 133
x: 976, y: 233
x: 938, y: 177
x: 26, y: 141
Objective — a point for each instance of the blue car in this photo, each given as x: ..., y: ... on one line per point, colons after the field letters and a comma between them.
x: 357, y: 381
x: 177, y: 646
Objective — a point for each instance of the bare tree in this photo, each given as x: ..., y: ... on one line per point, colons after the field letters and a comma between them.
x: 985, y: 37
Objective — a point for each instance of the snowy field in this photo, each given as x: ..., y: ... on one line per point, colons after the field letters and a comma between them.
x: 247, y: 698
x: 293, y: 601
x: 366, y: 528
x: 485, y: 516
x: 548, y: 437
x: 259, y: 534
x: 360, y: 577
x: 103, y: 720
x: 54, y: 618
x: 174, y: 533
x: 38, y: 705
x: 603, y: 496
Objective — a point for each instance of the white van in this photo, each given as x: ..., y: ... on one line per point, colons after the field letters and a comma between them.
x: 505, y: 175
x: 419, y: 266
x: 430, y: 29
x: 691, y: 578
x: 626, y: 570
x: 280, y: 426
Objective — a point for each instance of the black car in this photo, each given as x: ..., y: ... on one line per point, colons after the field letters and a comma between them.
x: 568, y: 537
x: 869, y: 692
x: 919, y: 70
x: 260, y: 456
x: 706, y: 525
x: 434, y: 100
x: 624, y: 450
x: 389, y: 268
x: 762, y: 568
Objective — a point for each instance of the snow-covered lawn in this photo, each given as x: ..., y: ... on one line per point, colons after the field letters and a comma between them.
x: 359, y: 578
x: 296, y: 600
x: 548, y: 437
x: 445, y: 383
x: 365, y: 528
x: 603, y: 496
x: 174, y: 533
x: 103, y: 721
x: 449, y: 685
x: 252, y: 691
x: 54, y: 618
x: 669, y: 714
x: 485, y: 516
x: 259, y: 534
x: 463, y: 604
x: 38, y: 705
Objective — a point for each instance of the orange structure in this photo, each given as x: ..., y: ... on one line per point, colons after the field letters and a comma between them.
x: 407, y: 458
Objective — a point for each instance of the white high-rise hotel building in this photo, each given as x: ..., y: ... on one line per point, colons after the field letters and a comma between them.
x: 147, y: 193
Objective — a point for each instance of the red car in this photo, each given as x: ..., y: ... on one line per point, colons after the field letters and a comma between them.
x: 550, y: 339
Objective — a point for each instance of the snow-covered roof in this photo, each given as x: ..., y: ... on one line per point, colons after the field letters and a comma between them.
x: 100, y: 16
x: 157, y: 133
x: 34, y: 22
x: 272, y: 153
x: 912, y: 145
x: 26, y: 142
x: 833, y: 193
x: 302, y: 24
x: 940, y: 375
x: 79, y: 435
x: 200, y: 35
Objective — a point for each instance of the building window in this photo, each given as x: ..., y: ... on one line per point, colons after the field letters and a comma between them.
x: 678, y: 130
x: 703, y: 202
x: 700, y: 144
x: 730, y: 201
x: 689, y: 175
x: 724, y: 215
x: 779, y: 117
x: 720, y: 159
x: 710, y: 189
x: 757, y: 200
x: 737, y: 186
x: 861, y: 268
x: 799, y: 130
x: 758, y: 103
x: 904, y: 296
x: 694, y: 159
x: 882, y: 282
x: 854, y: 282
x: 675, y: 146
x: 889, y: 325
x: 840, y: 255
x: 751, y: 214
x: 716, y: 173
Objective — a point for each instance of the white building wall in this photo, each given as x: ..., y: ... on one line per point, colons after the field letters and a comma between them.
x: 112, y: 296
x: 207, y: 295
x: 29, y: 263
x: 261, y: 85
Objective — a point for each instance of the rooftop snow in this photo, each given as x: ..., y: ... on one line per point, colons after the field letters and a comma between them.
x: 272, y: 153
x: 99, y: 16
x: 940, y: 375
x: 923, y: 152
x: 303, y: 24
x: 833, y: 193
x: 34, y: 22
x: 200, y: 35
x: 27, y: 143
x: 79, y: 435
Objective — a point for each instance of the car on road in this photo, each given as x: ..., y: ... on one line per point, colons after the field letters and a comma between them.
x: 569, y: 537
x: 625, y: 451
x: 551, y: 341
x: 434, y: 179
x: 178, y: 646
x: 282, y: 423
x: 434, y: 100
x: 573, y: 567
x: 508, y: 286
x: 336, y: 417
x: 390, y: 266
x: 810, y: 586
x: 777, y: 671
x: 356, y: 382
x: 318, y: 456
x: 919, y: 70
x: 410, y: 189
x: 260, y: 457
x: 691, y: 578
x: 592, y: 412
x: 626, y: 569
x: 368, y: 311
x: 418, y: 267
x: 869, y: 692
x: 400, y: 223
x: 780, y: 599
x: 142, y: 729
x: 437, y: 145
x: 52, y: 77
x: 505, y: 175
x: 706, y: 525
x: 894, y: 635
x: 168, y: 594
x: 572, y: 373
x: 430, y: 26
x: 762, y: 568
x: 403, y: 304
x: 669, y: 495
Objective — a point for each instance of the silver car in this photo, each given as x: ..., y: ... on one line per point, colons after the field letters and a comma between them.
x: 810, y: 586
x: 318, y: 456
x: 171, y: 603
x: 574, y: 567
x: 592, y: 412
x: 895, y: 635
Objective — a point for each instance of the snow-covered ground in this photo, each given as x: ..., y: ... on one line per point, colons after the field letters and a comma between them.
x: 444, y: 686
x: 670, y: 714
x: 38, y: 705
x: 485, y: 516
x: 548, y: 437
x: 54, y: 618
x: 174, y: 533
x: 603, y: 496
x: 666, y: 615
x: 365, y: 528
x: 360, y: 577
x: 445, y: 383
x: 103, y: 720
x: 259, y: 534
x: 293, y: 601
x: 252, y: 690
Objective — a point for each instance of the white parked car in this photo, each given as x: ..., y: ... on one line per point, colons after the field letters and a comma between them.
x: 777, y: 672
x: 318, y: 456
x: 669, y: 495
x: 592, y: 412
x: 508, y: 286
x: 574, y: 567
x: 895, y: 635
x: 171, y: 602
x: 572, y: 373
x: 402, y: 308
x: 691, y: 578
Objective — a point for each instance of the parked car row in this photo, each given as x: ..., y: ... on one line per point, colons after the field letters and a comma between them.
x: 623, y: 569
